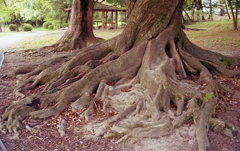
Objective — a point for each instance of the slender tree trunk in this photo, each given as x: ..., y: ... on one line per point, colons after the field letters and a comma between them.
x: 233, y: 16
x: 1, y: 29
x: 5, y: 3
x: 198, y: 4
x: 226, y: 5
x: 189, y: 18
x: 237, y: 8
x: 210, y: 13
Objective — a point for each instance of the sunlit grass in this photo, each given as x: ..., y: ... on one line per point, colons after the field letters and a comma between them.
x: 220, y: 25
x: 40, y: 41
x: 51, y: 38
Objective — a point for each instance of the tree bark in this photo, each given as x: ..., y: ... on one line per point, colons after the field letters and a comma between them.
x: 80, y: 31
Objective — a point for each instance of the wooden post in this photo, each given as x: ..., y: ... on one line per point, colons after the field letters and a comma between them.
x: 106, y: 19
x: 112, y: 20
x: 116, y: 19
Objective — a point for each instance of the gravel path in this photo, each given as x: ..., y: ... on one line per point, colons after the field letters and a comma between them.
x: 10, y: 42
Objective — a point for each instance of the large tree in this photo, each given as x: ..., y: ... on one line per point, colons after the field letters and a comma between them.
x: 137, y: 77
x: 79, y: 33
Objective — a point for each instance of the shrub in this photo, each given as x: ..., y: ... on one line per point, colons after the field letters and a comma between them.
x: 64, y: 25
x: 27, y: 27
x: 50, y: 27
x: 46, y: 24
x: 12, y: 27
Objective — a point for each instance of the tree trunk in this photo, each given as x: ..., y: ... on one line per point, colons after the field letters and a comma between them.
x: 189, y: 18
x: 233, y: 16
x: 134, y: 77
x: 1, y: 29
x: 237, y: 7
x: 80, y: 31
x: 198, y: 5
x: 210, y: 12
x: 226, y: 4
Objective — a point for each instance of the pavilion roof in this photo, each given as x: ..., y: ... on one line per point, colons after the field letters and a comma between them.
x: 102, y: 7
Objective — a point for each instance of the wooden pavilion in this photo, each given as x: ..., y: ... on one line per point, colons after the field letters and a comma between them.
x: 105, y: 9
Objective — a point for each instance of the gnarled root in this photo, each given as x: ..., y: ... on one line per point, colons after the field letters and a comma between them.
x: 148, y: 91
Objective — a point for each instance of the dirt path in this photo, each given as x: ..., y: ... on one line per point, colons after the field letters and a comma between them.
x: 10, y: 42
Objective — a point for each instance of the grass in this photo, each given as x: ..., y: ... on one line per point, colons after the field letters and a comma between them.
x: 220, y: 25
x: 40, y: 40
x: 217, y: 36
x: 52, y: 37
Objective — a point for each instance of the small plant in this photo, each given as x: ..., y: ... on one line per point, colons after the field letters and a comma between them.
x: 27, y: 27
x: 12, y: 27
x: 208, y: 96
x: 50, y: 27
x: 46, y: 24
x: 227, y: 62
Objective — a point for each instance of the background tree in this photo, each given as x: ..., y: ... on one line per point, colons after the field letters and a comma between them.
x: 234, y: 15
x: 150, y: 66
x: 50, y: 11
x: 11, y: 12
x: 199, y: 7
x: 79, y: 33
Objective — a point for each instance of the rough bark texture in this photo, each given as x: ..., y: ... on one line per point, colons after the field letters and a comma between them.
x: 136, y: 77
x: 79, y: 33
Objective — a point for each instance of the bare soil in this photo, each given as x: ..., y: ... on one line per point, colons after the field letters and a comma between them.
x: 46, y: 135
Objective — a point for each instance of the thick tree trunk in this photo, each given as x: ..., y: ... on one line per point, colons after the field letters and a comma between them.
x: 80, y: 31
x: 135, y: 77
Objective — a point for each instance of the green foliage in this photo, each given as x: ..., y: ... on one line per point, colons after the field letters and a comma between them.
x: 189, y: 4
x: 50, y: 27
x: 227, y: 62
x: 208, y: 96
x: 64, y: 25
x: 27, y: 27
x: 46, y: 24
x: 12, y: 27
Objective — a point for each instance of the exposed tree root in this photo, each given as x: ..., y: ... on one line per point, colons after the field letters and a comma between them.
x: 141, y: 87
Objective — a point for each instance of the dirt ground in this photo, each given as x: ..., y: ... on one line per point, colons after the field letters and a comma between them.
x: 46, y: 136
